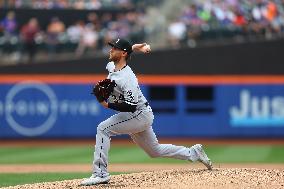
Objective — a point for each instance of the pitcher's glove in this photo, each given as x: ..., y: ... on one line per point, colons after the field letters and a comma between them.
x: 103, y: 89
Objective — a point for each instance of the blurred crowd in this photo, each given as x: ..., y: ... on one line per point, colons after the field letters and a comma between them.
x: 67, y: 4
x: 197, y: 21
x: 211, y: 19
x: 81, y: 37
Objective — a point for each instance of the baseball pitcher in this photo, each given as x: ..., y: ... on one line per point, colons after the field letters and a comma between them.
x: 120, y: 91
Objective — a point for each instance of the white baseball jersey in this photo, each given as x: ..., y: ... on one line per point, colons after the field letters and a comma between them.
x: 127, y: 88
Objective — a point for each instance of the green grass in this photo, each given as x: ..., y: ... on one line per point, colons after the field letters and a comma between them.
x: 81, y: 154
x: 133, y: 154
x: 247, y: 154
x: 12, y: 179
x: 120, y: 154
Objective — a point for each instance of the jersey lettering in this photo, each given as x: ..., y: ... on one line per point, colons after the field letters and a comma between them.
x: 121, y: 97
x: 115, y: 100
x: 130, y: 96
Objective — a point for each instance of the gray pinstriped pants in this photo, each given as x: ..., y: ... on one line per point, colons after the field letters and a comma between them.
x: 139, y: 126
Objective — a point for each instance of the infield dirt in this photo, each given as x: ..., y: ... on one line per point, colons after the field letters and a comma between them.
x: 183, y: 179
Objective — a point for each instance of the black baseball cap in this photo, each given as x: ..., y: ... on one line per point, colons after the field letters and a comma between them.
x: 122, y: 44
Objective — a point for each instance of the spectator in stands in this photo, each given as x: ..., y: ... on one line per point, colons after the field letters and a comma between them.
x: 41, y: 4
x: 110, y: 33
x: 29, y: 33
x: 123, y: 27
x: 271, y: 11
x: 8, y: 31
x: 62, y: 4
x: 258, y: 22
x: 137, y: 22
x: 176, y: 33
x: 273, y: 18
x: 124, y: 3
x: 74, y: 32
x: 277, y: 24
x: 93, y: 19
x: 79, y: 4
x: 55, y: 29
x: 9, y: 24
x: 93, y: 5
x: 106, y: 19
x: 88, y: 40
x: 240, y: 20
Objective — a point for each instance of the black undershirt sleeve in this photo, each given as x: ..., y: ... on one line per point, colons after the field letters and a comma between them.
x: 122, y: 107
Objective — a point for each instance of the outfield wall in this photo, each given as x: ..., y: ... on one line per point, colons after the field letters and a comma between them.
x: 61, y: 106
x: 261, y: 58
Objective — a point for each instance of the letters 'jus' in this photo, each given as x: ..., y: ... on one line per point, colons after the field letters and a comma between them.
x: 258, y: 110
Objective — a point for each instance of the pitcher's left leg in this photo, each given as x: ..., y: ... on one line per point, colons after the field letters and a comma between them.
x: 148, y: 141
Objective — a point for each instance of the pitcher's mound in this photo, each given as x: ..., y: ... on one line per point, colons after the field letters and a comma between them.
x: 193, y: 178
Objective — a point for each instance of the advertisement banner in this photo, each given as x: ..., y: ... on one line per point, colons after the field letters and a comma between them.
x: 32, y: 108
x: 240, y: 111
x: 53, y: 110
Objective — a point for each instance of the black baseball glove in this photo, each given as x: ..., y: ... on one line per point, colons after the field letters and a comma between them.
x: 103, y: 89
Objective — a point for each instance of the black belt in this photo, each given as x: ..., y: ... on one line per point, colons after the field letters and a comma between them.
x: 146, y: 104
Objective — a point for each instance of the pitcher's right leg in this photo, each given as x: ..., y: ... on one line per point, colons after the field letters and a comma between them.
x: 121, y: 123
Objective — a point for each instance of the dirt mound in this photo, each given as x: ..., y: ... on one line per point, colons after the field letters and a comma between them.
x: 193, y: 178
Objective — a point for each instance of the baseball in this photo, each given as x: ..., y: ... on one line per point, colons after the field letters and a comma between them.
x: 147, y: 48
